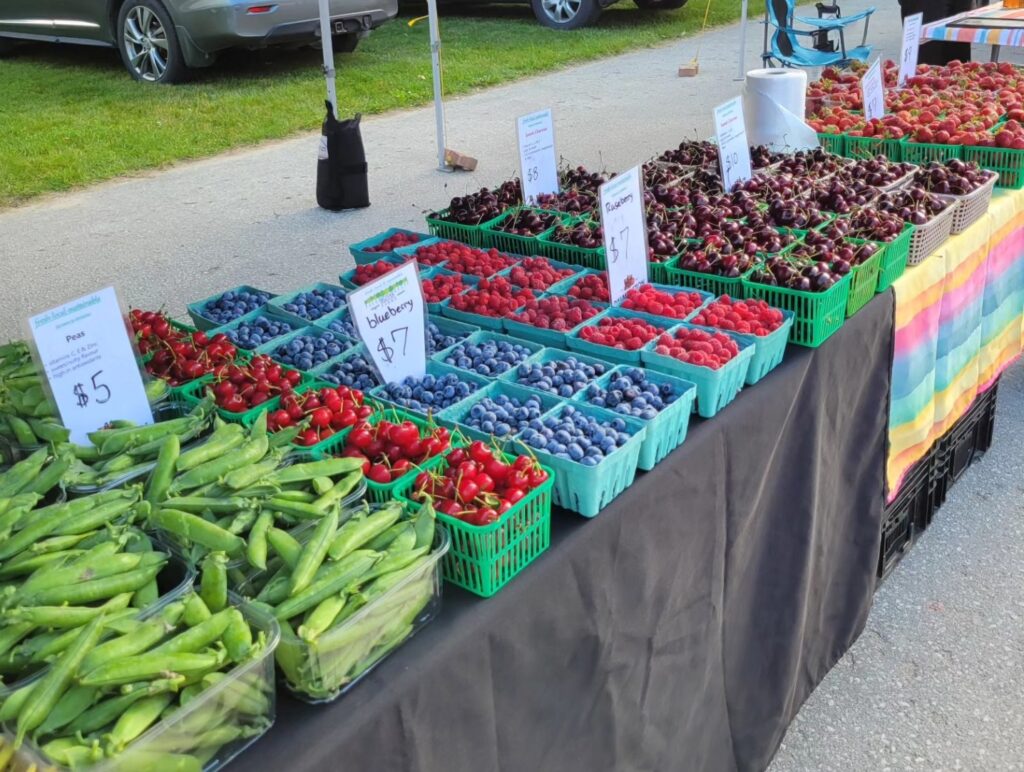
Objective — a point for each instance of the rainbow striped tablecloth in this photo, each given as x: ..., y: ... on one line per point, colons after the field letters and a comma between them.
x: 1007, y: 27
x: 959, y: 324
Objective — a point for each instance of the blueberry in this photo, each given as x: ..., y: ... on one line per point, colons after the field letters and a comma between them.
x: 438, y: 341
x: 260, y: 330
x: 354, y: 372
x: 316, y: 303
x: 344, y: 325
x: 230, y: 305
x: 429, y: 391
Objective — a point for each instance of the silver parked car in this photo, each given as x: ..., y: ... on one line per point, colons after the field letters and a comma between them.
x: 160, y: 40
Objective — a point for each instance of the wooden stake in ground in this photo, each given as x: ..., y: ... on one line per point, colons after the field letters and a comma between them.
x: 693, y: 68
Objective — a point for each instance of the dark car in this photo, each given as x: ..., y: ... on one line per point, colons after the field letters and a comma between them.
x: 573, y: 14
x: 160, y: 40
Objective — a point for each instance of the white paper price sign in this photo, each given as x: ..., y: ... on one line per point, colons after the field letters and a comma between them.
x: 872, y: 90
x: 911, y: 45
x: 733, y: 148
x: 90, y: 364
x: 390, y: 316
x: 537, y: 162
x: 625, y: 232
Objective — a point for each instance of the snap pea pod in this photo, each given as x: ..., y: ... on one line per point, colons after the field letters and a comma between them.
x: 200, y: 504
x: 75, y: 701
x: 243, y: 521
x: 357, y: 532
x: 49, y: 431
x: 147, y: 595
x: 340, y: 489
x: 114, y: 441
x: 240, y: 479
x: 58, y: 543
x: 81, y: 571
x: 196, y: 611
x: 65, y: 617
x: 69, y: 510
x: 100, y: 516
x: 388, y: 538
x: 284, y: 438
x: 19, y: 501
x: 313, y: 553
x: 50, y: 477
x: 336, y: 578
x: 106, y: 711
x: 256, y: 547
x: 70, y: 752
x: 55, y: 682
x: 54, y: 643
x: 237, y: 637
x: 321, y: 617
x: 13, y: 632
x: 23, y: 433
x: 395, y: 561
x: 425, y: 524
x: 225, y: 439
x: 163, y: 473
x: 192, y: 691
x: 136, y: 720
x: 213, y: 587
x: 328, y: 467
x: 152, y: 761
x: 302, y: 496
x: 251, y: 451
x: 152, y: 448
x: 143, y: 667
x: 15, y: 479
x: 285, y: 546
x: 115, y: 464
x: 288, y: 654
x: 28, y: 562
x: 276, y: 590
x: 321, y: 484
x: 15, y: 701
x: 198, y: 637
x: 197, y: 530
x: 245, y: 696
x: 297, y: 509
x: 147, y: 635
x: 95, y: 589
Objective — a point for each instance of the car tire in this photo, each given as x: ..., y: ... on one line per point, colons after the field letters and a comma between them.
x: 659, y: 5
x: 346, y: 43
x: 7, y: 47
x: 148, y: 43
x: 566, y: 14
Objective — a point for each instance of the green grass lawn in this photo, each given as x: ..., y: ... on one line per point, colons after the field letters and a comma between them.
x: 71, y: 115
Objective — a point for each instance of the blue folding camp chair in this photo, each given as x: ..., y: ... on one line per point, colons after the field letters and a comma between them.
x: 787, y: 51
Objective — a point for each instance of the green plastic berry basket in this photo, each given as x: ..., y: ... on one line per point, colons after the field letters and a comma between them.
x: 715, y: 388
x: 869, y: 147
x: 195, y: 310
x: 587, y: 490
x: 193, y: 393
x: 455, y: 416
x: 570, y: 253
x: 484, y: 558
x: 706, y: 282
x: 484, y: 336
x: 381, y: 493
x: 769, y: 350
x: 473, y: 235
x: 456, y: 329
x: 657, y: 273
x: 676, y: 289
x: 432, y: 272
x: 864, y: 280
x: 325, y: 322
x: 609, y: 353
x: 543, y: 335
x: 271, y: 349
x: 893, y: 262
x: 833, y: 143
x: 347, y: 279
x: 436, y: 369
x: 1007, y: 161
x: 360, y: 250
x: 513, y: 243
x: 278, y: 302
x: 923, y: 153
x: 562, y: 287
x: 409, y: 253
x: 310, y: 385
x: 478, y: 321
x: 547, y: 355
x: 667, y: 430
x: 818, y: 314
x: 326, y: 368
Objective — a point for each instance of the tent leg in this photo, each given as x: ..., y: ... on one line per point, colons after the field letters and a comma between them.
x: 327, y: 44
x: 743, y: 41
x: 435, y: 63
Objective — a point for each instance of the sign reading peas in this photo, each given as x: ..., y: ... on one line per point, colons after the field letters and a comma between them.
x: 390, y: 317
x: 90, y: 364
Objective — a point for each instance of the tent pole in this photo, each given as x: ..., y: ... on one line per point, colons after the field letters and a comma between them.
x: 743, y: 41
x: 327, y: 44
x: 435, y: 63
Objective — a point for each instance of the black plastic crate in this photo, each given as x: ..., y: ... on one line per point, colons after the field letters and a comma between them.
x: 966, y: 442
x: 909, y: 513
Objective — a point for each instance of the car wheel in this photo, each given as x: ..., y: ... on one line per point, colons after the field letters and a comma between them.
x: 659, y: 5
x: 566, y: 14
x: 148, y: 43
x: 346, y: 43
x: 6, y: 47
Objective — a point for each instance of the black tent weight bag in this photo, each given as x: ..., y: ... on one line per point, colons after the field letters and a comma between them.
x: 341, y: 181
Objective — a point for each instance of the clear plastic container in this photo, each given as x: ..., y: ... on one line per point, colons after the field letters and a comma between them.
x: 176, y: 579
x: 208, y: 732
x: 342, y: 656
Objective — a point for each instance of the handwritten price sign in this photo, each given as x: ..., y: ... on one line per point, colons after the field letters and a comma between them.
x: 733, y: 148
x: 911, y: 45
x: 625, y: 232
x: 537, y: 161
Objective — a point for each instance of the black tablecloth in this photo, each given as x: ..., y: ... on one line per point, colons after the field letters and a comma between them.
x: 681, y: 629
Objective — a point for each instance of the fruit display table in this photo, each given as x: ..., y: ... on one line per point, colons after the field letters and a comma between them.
x: 991, y: 26
x: 683, y: 628
x: 958, y: 325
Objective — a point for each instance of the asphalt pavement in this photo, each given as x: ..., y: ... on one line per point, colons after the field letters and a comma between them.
x: 934, y: 683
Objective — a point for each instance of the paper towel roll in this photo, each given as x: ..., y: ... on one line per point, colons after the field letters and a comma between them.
x: 774, y: 104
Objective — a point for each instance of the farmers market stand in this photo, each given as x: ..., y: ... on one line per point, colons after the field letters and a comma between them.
x: 681, y: 629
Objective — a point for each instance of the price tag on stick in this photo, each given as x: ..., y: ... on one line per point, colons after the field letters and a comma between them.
x: 872, y: 89
x: 538, y: 164
x: 90, y: 364
x: 625, y: 232
x: 390, y: 316
x: 911, y: 45
x: 733, y: 148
